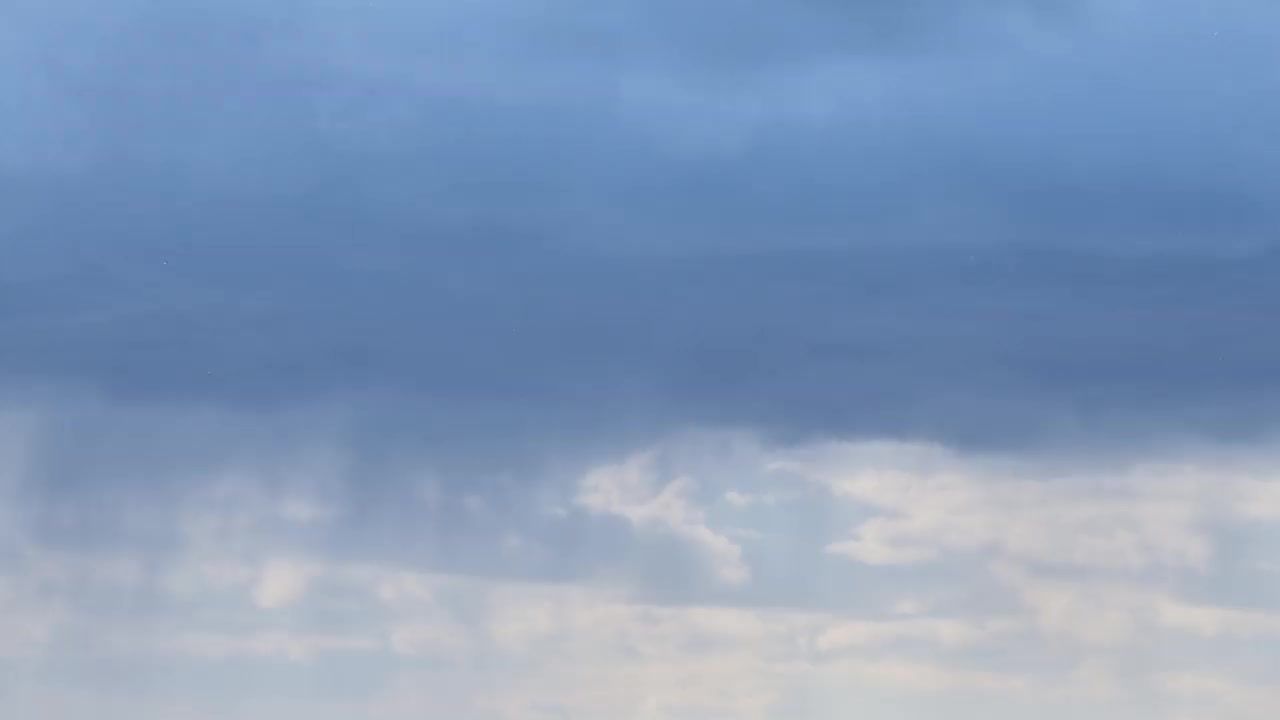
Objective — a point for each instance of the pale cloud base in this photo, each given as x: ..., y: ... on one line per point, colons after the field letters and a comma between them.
x: 982, y: 586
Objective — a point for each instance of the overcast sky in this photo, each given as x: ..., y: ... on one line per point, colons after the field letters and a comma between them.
x: 656, y: 360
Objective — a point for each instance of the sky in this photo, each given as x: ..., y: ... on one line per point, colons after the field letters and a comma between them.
x: 640, y: 359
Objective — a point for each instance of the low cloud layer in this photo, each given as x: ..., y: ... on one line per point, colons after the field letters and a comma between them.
x: 725, y: 577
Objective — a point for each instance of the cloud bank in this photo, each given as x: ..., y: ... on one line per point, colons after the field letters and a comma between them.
x: 712, y: 575
x: 500, y: 360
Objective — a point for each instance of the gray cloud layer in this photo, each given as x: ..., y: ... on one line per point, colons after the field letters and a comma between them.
x: 650, y: 213
x: 346, y: 350
x: 978, y: 346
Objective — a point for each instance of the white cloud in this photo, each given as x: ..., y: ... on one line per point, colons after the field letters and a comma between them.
x: 280, y: 584
x: 1209, y: 695
x: 1111, y: 612
x: 942, y: 631
x: 740, y: 499
x: 295, y: 647
x: 1009, y: 578
x: 26, y: 625
x: 910, y: 606
x: 443, y: 639
x: 631, y: 490
x: 927, y: 503
x: 401, y: 588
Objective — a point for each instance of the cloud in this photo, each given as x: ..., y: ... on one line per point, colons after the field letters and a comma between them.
x: 362, y: 359
x: 1108, y: 613
x: 793, y: 123
x: 813, y: 218
x: 439, y: 640
x: 794, y: 343
x: 271, y: 645
x: 280, y: 585
x: 929, y: 503
x: 242, y: 596
x: 627, y: 491
x: 1243, y: 699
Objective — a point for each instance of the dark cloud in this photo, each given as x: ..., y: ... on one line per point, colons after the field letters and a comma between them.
x: 977, y: 345
x: 515, y: 221
x: 654, y: 124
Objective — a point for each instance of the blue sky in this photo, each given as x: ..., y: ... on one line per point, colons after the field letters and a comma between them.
x: 570, y: 360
